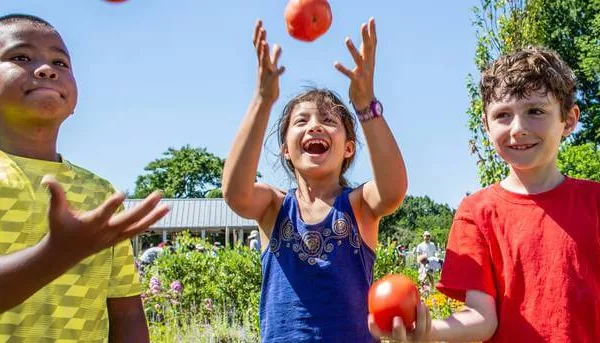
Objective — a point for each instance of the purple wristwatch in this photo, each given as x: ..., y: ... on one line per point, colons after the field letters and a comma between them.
x: 374, y: 110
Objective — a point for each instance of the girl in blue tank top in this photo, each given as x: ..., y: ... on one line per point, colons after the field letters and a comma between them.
x: 319, y: 238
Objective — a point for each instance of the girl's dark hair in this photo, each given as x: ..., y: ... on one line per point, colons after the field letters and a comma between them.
x: 326, y: 100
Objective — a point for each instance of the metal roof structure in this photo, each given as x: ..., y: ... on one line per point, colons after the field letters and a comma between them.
x: 197, y: 214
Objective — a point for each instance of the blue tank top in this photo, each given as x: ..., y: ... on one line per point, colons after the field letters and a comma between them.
x: 316, y: 277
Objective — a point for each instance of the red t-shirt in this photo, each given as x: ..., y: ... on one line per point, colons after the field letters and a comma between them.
x: 537, y: 255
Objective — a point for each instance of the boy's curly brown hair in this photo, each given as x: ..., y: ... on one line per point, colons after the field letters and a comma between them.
x: 534, y: 69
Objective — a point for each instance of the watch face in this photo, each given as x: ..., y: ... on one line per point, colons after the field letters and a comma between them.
x: 377, y: 108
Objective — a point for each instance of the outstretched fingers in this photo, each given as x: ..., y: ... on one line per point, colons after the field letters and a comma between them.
x: 259, y: 33
x: 365, y: 57
x: 372, y: 31
x: 108, y: 208
x: 131, y: 216
x: 369, y: 37
x: 259, y: 40
x: 356, y: 56
x: 267, y: 59
x: 144, y: 223
x: 276, y: 54
x: 349, y: 73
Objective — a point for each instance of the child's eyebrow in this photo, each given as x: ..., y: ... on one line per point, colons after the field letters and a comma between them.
x: 19, y: 46
x: 60, y: 51
x: 537, y: 103
x: 24, y: 45
x: 302, y: 114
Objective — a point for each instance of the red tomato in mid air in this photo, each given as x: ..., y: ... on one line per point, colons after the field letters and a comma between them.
x: 307, y: 20
x: 393, y: 296
x: 115, y: 0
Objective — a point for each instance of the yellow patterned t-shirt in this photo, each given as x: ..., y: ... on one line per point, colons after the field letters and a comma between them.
x: 71, y: 308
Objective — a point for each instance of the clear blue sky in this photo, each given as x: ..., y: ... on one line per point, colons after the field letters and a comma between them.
x: 154, y: 74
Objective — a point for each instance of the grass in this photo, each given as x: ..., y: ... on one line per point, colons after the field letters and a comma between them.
x: 189, y: 327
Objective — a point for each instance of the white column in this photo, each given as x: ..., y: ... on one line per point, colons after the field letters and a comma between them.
x: 226, y: 236
x: 203, y: 234
x: 164, y: 236
x: 136, y: 245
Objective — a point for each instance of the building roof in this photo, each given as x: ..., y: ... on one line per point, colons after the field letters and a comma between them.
x: 197, y: 214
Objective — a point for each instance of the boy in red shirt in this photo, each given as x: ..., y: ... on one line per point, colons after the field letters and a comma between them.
x: 524, y: 254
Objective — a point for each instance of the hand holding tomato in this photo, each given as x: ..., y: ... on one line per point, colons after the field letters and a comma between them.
x: 393, y: 307
x: 307, y: 20
x: 268, y: 71
x: 361, y: 77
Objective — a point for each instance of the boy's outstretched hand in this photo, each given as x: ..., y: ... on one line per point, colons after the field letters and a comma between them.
x: 361, y: 77
x: 268, y: 71
x: 421, y: 332
x: 79, y: 235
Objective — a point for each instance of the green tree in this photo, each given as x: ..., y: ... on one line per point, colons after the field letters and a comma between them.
x: 214, y: 193
x: 438, y: 225
x: 417, y: 214
x: 571, y: 27
x: 182, y: 173
x: 580, y: 161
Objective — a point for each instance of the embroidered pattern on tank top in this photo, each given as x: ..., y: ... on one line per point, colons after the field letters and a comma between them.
x: 313, y: 245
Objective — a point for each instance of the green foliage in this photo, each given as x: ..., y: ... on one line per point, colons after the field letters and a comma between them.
x: 387, y: 262
x: 417, y: 214
x: 218, y: 300
x: 183, y: 173
x: 571, y: 27
x: 580, y: 161
x: 230, y: 279
x: 179, y: 325
x: 214, y: 193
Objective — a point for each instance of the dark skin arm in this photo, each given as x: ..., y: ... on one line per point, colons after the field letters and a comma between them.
x: 72, y: 237
x: 127, y: 320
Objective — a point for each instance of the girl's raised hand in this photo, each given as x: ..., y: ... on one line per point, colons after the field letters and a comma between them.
x: 361, y: 77
x: 268, y: 71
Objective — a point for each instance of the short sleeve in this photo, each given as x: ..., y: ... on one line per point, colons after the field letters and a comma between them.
x: 124, y: 278
x: 467, y: 265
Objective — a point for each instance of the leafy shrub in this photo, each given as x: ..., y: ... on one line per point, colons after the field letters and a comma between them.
x: 214, y: 295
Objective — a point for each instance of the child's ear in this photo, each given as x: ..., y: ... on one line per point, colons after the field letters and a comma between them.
x: 350, y: 149
x: 285, y: 151
x: 571, y: 120
x: 484, y: 122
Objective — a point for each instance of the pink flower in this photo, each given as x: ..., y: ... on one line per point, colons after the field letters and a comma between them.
x: 176, y: 287
x: 154, y: 281
x: 154, y: 285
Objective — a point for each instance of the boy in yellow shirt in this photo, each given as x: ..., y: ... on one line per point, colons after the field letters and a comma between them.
x: 66, y: 265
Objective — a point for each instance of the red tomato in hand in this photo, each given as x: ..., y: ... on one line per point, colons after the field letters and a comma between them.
x: 307, y: 20
x: 393, y: 296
